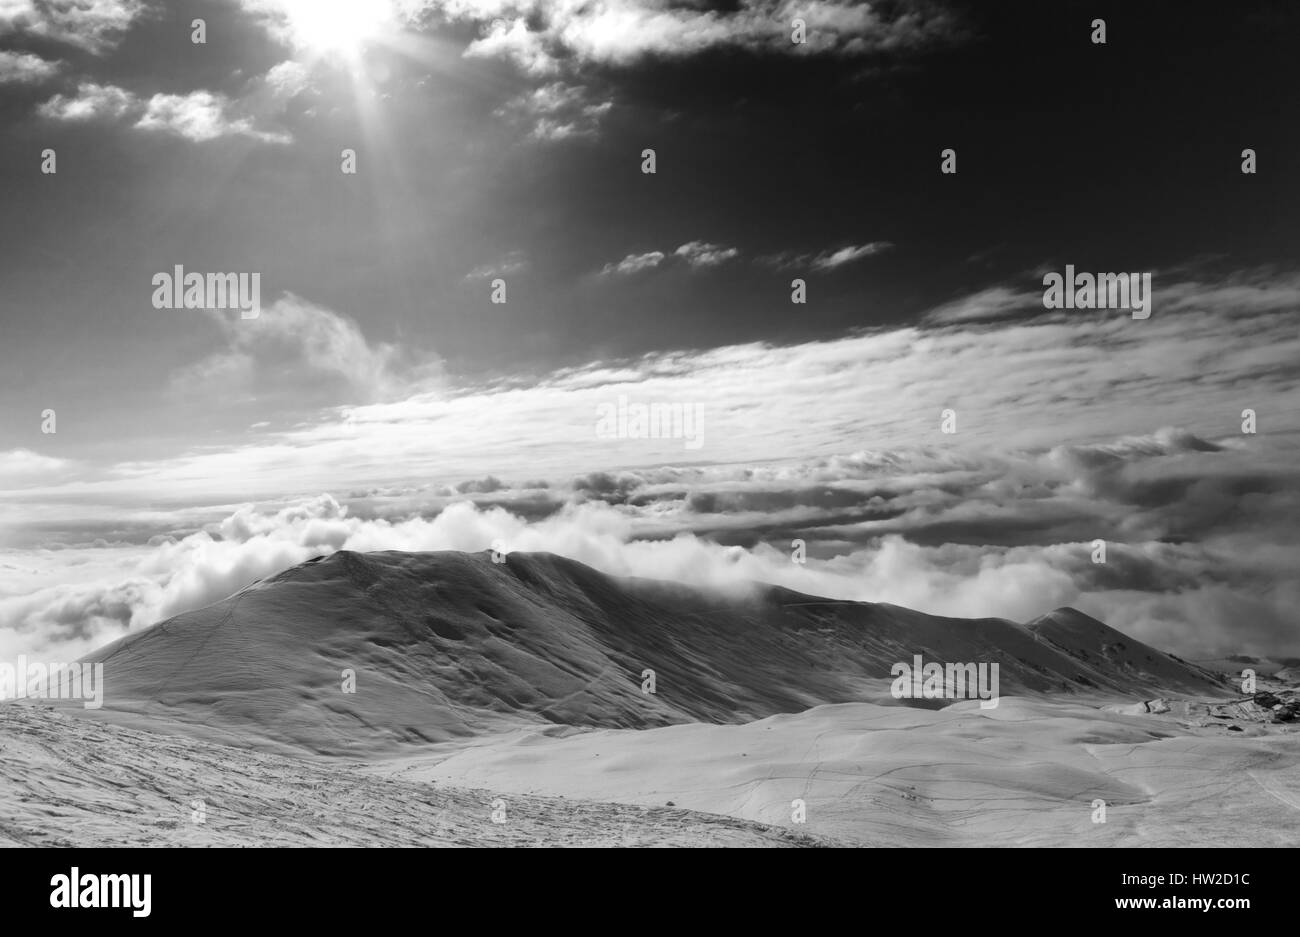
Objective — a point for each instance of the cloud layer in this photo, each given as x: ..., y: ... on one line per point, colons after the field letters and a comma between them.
x: 1200, y: 539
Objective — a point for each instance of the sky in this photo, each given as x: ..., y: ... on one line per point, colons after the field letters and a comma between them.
x: 382, y: 399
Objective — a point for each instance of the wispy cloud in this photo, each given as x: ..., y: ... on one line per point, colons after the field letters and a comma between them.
x: 634, y: 263
x: 514, y: 262
x: 997, y: 302
x: 829, y: 260
x: 825, y: 260
x: 695, y: 254
x: 301, y: 352
x: 703, y: 254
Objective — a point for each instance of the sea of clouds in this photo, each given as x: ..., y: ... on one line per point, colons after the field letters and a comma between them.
x: 1202, y: 539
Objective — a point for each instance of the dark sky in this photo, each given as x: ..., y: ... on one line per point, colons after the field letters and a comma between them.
x: 1123, y: 156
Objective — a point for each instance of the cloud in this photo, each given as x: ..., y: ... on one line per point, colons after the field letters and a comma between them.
x: 91, y: 102
x: 97, y: 26
x: 558, y: 111
x: 997, y: 302
x: 300, y: 351
x: 288, y: 78
x: 512, y: 263
x: 512, y: 39
x: 696, y: 254
x: 634, y: 263
x: 480, y: 485
x: 701, y: 254
x: 24, y: 467
x: 829, y: 259
x: 200, y: 116
x: 1059, y: 378
x: 26, y: 68
x: 541, y: 38
x: 1240, y: 292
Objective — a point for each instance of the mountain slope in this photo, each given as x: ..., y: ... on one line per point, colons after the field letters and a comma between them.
x: 450, y: 645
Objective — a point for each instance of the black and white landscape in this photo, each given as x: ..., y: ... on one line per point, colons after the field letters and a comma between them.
x: 649, y: 422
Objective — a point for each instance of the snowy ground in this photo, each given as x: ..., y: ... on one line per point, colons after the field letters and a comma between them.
x: 1029, y: 773
x: 70, y: 781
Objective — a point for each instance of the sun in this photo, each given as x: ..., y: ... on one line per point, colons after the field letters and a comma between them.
x: 336, y: 26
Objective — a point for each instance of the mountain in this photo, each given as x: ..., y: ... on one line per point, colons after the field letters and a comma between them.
x: 446, y: 646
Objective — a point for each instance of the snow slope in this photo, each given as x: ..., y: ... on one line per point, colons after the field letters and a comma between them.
x: 68, y: 781
x: 1029, y: 773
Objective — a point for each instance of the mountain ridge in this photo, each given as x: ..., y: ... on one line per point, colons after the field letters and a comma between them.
x: 445, y: 646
